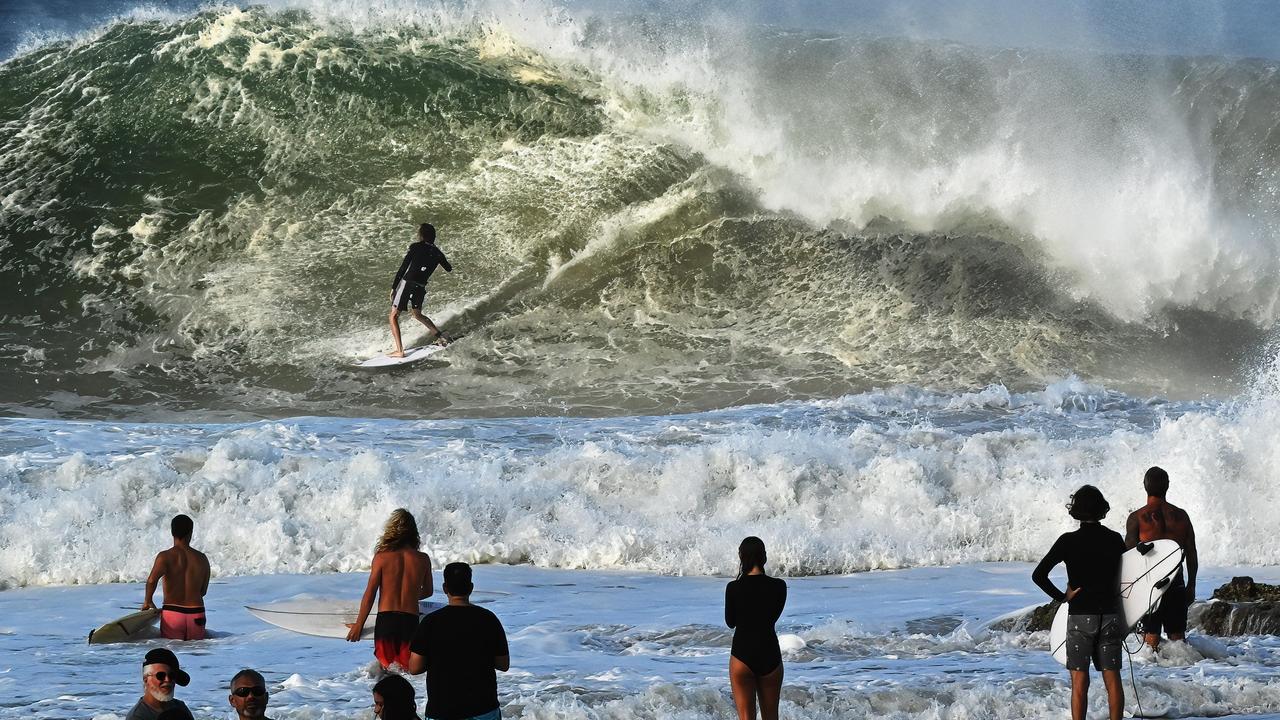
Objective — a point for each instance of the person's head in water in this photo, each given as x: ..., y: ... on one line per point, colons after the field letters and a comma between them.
x: 248, y: 694
x: 1088, y: 505
x: 427, y: 233
x: 751, y: 555
x: 1156, y: 481
x: 181, y: 527
x: 457, y: 580
x: 393, y: 699
x: 401, y: 531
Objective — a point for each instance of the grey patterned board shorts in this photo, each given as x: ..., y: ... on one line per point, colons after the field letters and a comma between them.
x: 1094, y: 637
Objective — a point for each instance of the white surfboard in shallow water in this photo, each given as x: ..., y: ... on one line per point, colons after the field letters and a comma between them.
x: 411, y: 355
x: 133, y: 626
x: 1146, y: 572
x: 322, y: 617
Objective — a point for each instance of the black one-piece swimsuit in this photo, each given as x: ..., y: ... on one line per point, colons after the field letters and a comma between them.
x: 752, y: 604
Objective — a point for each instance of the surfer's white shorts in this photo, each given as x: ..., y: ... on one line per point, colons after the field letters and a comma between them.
x: 1095, y: 638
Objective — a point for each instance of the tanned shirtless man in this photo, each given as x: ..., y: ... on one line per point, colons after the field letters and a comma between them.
x: 185, y: 571
x: 1160, y: 520
x: 401, y: 573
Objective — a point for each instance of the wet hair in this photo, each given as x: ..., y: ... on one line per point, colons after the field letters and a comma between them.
x: 401, y: 531
x: 181, y: 527
x: 1156, y: 481
x: 398, y: 701
x: 427, y: 232
x: 751, y: 555
x: 457, y: 579
x: 249, y: 673
x: 1087, y: 504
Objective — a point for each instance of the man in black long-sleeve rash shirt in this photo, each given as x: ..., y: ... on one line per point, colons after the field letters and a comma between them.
x: 1095, y: 628
x: 409, y: 287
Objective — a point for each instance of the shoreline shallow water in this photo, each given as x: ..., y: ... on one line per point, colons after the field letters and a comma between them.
x: 605, y: 644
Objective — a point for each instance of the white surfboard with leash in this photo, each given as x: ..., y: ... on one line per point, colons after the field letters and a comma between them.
x: 1146, y: 572
x: 323, y: 617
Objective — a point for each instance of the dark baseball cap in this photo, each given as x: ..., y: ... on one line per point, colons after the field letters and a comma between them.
x: 165, y: 656
x: 457, y: 578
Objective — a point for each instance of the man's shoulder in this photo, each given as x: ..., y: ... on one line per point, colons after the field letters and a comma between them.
x: 140, y: 711
x: 461, y: 613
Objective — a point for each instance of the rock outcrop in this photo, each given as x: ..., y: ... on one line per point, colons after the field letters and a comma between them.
x: 1241, y: 607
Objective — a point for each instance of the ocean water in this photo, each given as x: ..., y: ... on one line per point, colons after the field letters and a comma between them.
x: 880, y: 283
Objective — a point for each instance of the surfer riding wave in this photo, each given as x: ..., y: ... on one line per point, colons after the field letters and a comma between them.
x: 409, y: 288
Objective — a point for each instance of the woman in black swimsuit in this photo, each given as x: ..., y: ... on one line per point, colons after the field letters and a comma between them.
x: 752, y: 604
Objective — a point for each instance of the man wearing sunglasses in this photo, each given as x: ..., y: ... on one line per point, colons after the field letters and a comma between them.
x: 160, y: 672
x: 249, y: 695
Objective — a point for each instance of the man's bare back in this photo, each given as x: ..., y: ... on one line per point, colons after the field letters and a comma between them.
x: 185, y: 572
x: 399, y: 579
x: 404, y: 578
x: 1161, y: 520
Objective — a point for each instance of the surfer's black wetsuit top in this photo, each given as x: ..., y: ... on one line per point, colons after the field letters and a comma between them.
x: 752, y: 604
x: 419, y: 262
x: 1092, y: 555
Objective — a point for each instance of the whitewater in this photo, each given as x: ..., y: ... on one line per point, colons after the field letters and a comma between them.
x: 880, y: 284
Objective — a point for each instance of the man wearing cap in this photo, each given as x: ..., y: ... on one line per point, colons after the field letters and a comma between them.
x: 160, y: 672
x: 460, y: 646
x: 249, y: 695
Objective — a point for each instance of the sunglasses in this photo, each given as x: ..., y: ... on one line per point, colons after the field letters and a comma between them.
x: 163, y: 677
x: 256, y: 691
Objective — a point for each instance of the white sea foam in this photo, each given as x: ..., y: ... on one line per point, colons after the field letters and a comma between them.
x: 870, y: 482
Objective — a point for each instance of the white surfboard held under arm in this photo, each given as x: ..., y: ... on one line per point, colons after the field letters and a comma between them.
x: 323, y: 617
x: 1144, y: 577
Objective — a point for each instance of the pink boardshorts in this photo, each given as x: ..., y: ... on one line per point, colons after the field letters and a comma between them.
x: 182, y: 623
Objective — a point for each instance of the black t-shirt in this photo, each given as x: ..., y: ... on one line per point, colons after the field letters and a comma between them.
x: 1092, y: 555
x: 420, y: 260
x: 459, y: 643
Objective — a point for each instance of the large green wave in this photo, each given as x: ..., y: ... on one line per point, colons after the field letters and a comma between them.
x: 204, y: 215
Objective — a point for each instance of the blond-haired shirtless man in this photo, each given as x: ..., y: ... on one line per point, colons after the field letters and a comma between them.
x: 401, y: 576
x: 185, y: 572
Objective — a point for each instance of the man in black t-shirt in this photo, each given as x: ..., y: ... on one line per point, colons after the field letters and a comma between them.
x: 460, y: 647
x: 1095, y: 628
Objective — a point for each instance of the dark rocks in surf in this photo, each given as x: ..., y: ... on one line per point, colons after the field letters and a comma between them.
x: 1038, y: 619
x: 1244, y: 589
x: 1241, y: 607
